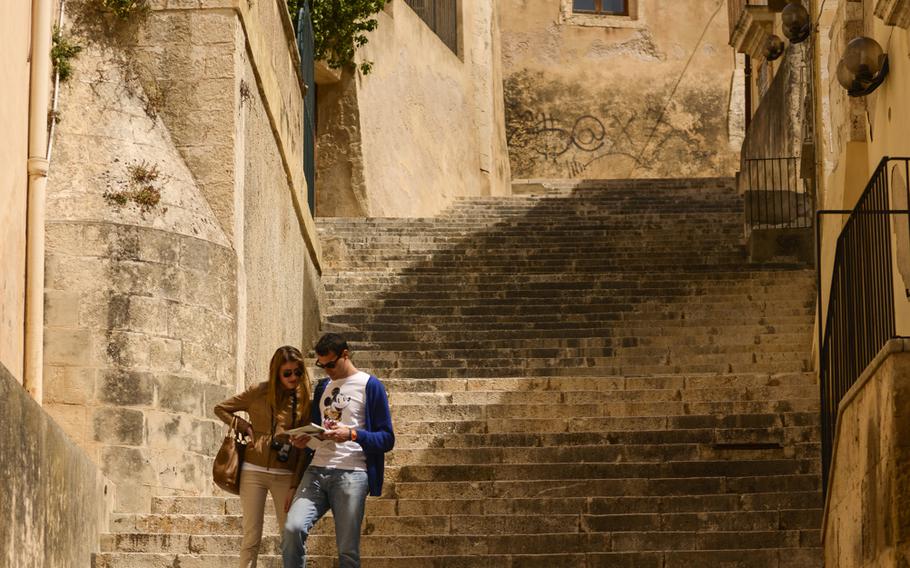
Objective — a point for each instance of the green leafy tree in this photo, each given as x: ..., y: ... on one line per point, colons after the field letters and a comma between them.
x: 340, y: 28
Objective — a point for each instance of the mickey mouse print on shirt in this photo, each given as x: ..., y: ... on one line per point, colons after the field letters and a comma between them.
x: 334, y: 405
x: 343, y: 403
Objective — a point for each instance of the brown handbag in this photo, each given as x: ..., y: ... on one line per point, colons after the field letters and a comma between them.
x: 229, y: 461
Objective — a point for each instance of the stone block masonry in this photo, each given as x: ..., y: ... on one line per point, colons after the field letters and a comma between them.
x: 866, y: 521
x: 156, y: 314
x: 140, y: 344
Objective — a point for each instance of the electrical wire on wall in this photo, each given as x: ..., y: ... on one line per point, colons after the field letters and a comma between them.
x: 663, y: 111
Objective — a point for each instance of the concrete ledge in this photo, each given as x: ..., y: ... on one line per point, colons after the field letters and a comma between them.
x: 766, y: 245
x: 544, y: 185
x: 325, y: 75
x: 54, y: 503
x: 892, y: 347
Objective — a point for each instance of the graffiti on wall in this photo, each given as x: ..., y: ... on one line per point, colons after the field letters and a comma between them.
x: 553, y: 130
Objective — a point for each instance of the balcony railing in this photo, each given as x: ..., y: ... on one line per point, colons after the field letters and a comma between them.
x: 777, y: 197
x: 861, y: 301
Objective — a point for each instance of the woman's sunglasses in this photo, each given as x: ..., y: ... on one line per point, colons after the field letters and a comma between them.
x: 287, y: 374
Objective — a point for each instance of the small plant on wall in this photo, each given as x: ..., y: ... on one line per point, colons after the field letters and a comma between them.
x: 63, y: 51
x: 141, y: 188
x: 123, y: 9
x: 340, y: 28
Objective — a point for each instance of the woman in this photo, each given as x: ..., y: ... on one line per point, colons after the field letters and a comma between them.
x: 270, y: 463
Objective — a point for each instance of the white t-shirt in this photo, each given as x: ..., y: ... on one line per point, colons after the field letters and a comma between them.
x: 343, y: 401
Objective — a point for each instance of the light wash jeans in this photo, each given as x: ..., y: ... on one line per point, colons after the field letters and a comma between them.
x: 341, y: 490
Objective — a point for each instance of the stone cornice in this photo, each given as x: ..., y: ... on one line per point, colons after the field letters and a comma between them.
x: 894, y: 12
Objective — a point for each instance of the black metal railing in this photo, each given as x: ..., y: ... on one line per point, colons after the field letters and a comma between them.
x: 305, y: 47
x: 441, y: 16
x: 860, y: 316
x: 776, y: 194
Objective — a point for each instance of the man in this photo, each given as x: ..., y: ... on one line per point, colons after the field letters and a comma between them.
x: 349, y: 456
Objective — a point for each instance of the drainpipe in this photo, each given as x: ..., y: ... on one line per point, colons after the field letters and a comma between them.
x: 39, y: 94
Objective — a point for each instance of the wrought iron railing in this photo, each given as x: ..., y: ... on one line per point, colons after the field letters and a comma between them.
x: 776, y: 194
x: 860, y: 315
x: 441, y: 16
x: 305, y: 47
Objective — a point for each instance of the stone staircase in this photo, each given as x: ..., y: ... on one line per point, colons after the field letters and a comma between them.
x: 579, y: 378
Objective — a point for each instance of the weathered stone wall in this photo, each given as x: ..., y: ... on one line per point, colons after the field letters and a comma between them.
x: 54, y: 502
x: 283, y: 290
x: 15, y: 23
x: 238, y: 125
x: 867, y: 522
x: 141, y: 305
x: 425, y: 126
x: 156, y: 314
x: 617, y: 97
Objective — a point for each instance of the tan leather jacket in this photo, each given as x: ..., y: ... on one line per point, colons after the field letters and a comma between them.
x: 259, y: 452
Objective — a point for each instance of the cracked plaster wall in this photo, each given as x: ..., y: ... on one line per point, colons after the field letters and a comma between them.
x: 593, y: 96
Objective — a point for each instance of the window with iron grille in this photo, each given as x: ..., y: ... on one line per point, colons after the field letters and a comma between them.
x: 608, y: 7
x: 441, y: 16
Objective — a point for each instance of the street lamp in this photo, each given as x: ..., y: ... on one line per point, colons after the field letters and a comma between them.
x: 863, y: 66
x: 796, y: 22
x: 774, y: 47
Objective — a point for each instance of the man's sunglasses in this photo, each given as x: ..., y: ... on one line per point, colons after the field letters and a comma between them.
x: 330, y: 364
x: 287, y: 374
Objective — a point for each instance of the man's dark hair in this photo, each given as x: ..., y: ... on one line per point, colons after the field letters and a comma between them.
x: 331, y: 343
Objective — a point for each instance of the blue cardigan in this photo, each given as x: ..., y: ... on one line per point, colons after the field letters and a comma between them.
x: 378, y: 437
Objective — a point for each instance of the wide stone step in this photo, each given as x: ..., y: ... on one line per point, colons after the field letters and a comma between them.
x: 708, y: 440
x: 508, y: 283
x: 456, y: 398
x: 804, y: 557
x: 605, y: 383
x: 646, y: 335
x: 569, y: 472
x: 438, y: 354
x: 620, y: 453
x: 611, y: 487
x: 765, y: 338
x: 625, y: 310
x: 780, y: 417
x: 581, y: 410
x: 579, y: 269
x: 763, y: 298
x: 594, y: 371
x: 796, y: 501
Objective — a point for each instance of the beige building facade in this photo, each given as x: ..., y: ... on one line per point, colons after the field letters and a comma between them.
x: 856, y: 149
x: 425, y: 126
x: 624, y: 89
x: 15, y: 22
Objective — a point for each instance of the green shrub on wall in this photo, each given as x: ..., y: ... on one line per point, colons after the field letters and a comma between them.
x: 340, y: 28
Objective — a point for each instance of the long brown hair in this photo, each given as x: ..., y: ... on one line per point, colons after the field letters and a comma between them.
x: 277, y: 395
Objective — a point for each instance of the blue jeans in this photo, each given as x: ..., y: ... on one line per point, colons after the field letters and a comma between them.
x: 345, y: 493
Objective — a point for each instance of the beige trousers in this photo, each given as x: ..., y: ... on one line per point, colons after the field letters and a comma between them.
x: 254, y: 486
